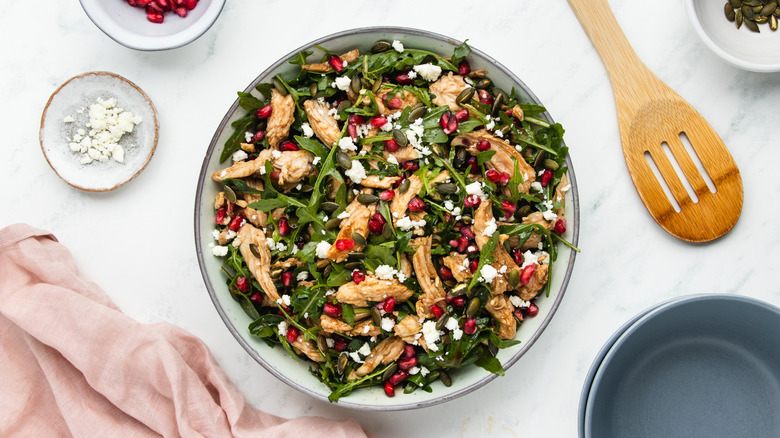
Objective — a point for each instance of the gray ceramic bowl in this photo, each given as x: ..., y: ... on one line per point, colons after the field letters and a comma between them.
x: 296, y: 373
x: 699, y: 366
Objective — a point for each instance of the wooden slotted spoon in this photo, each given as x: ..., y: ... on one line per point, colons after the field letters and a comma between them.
x: 650, y: 114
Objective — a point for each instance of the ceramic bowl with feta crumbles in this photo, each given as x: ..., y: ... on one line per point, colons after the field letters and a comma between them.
x: 295, y: 371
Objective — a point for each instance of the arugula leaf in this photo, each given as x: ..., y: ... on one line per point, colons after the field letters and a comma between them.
x: 485, y: 156
x: 460, y: 53
x: 485, y: 258
x: 491, y: 364
x: 348, y: 313
x: 249, y: 102
x: 233, y: 143
x: 312, y: 145
x: 238, y: 185
x: 300, y: 58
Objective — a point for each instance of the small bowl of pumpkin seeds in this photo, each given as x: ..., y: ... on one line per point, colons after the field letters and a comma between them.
x: 744, y: 33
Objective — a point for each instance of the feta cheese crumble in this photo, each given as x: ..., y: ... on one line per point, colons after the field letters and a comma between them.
x: 108, y: 124
x: 406, y: 224
x: 239, y: 155
x: 490, y: 228
x: 219, y: 250
x: 475, y: 188
x: 398, y: 46
x: 307, y: 131
x: 387, y: 324
x: 431, y: 335
x: 342, y: 83
x: 357, y: 173
x: 488, y: 273
x: 385, y: 272
x: 429, y: 72
x: 346, y: 144
x: 321, y: 251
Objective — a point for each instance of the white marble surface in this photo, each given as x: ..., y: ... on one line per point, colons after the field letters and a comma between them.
x: 137, y: 242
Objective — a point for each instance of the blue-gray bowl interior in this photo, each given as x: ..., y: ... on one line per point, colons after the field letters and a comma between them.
x: 230, y: 311
x: 700, y: 366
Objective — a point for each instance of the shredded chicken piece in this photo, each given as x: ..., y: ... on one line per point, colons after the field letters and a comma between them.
x: 517, y: 113
x: 406, y: 153
x: 325, y: 67
x: 460, y: 271
x: 502, y: 160
x: 255, y: 217
x: 292, y: 262
x: 482, y: 217
x: 409, y: 329
x: 260, y: 267
x: 308, y: 348
x: 535, y: 238
x: 538, y: 280
x: 446, y: 90
x: 401, y: 201
x: 560, y: 195
x: 406, y: 98
x: 406, y: 267
x: 355, y: 222
x: 281, y: 118
x: 372, y: 289
x: 248, y: 147
x: 225, y: 236
x: 375, y: 182
x: 362, y: 328
x: 324, y: 125
x: 433, y: 292
x: 386, y: 351
x: 219, y: 200
x: 501, y: 308
x: 240, y: 169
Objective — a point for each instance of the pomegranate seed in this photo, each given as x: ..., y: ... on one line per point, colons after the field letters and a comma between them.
x: 462, y: 115
x: 336, y: 62
x: 358, y: 276
x: 528, y: 271
x: 236, y: 223
x: 472, y: 249
x: 132, y: 2
x: 508, y: 207
x: 467, y: 233
x: 264, y: 112
x: 483, y: 145
x: 181, y: 11
x: 546, y: 177
x: 341, y: 344
x: 408, y: 351
x: 154, y: 17
x: 493, y: 176
x: 378, y: 121
x: 398, y: 377
x: 375, y: 227
x: 532, y: 310
x: 352, y: 131
x: 404, y: 79
x: 437, y: 312
x: 256, y: 297
x: 288, y: 145
x: 287, y: 278
x: 190, y: 4
x: 504, y: 178
x: 164, y: 4
x: 473, y: 265
x: 221, y: 216
x: 178, y: 3
x: 387, y: 195
x: 407, y: 364
x: 485, y: 97
x: 395, y: 103
x: 377, y: 216
x: 284, y: 226
x: 470, y: 326
x: 448, y: 122
x: 389, y: 389
x: 472, y: 201
x: 391, y: 145
x: 445, y: 273
x: 447, y: 217
x: 464, y: 68
x: 454, y: 243
x: 518, y: 256
x: 143, y: 3
x: 411, y: 166
x: 459, y: 301
x: 416, y: 204
x: 473, y: 165
x: 259, y: 136
x: 274, y: 175
x: 518, y: 313
x: 560, y: 226
x: 333, y: 310
x: 389, y: 305
x: 300, y: 242
x: 355, y: 119
x: 463, y: 243
x: 292, y: 334
x: 243, y: 284
x: 344, y: 244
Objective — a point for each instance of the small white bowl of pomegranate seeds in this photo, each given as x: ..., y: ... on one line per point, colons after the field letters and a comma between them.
x: 153, y: 24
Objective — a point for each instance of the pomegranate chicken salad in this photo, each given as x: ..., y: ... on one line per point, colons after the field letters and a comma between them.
x: 389, y: 216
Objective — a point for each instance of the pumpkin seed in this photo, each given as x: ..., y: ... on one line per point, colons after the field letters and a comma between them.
x: 322, y: 344
x: 539, y: 159
x: 492, y: 349
x: 356, y: 255
x: 504, y: 130
x: 738, y: 17
x: 436, y: 196
x: 440, y: 150
x: 329, y: 207
x: 313, y: 89
x: 276, y: 273
x: 327, y: 270
x: 459, y: 289
x: 353, y: 265
x: 279, y: 86
x: 736, y: 3
x: 350, y: 196
x: 465, y: 96
x: 307, y: 188
x: 400, y: 138
x: 484, y: 83
x: 466, y: 219
x: 768, y: 9
x: 523, y: 211
x: 757, y: 10
x: 752, y: 26
x: 445, y: 340
x: 358, y: 238
x: 376, y: 317
x: 344, y: 161
x: 514, y: 277
x: 747, y: 12
x: 445, y: 378
x: 255, y: 251
x: 729, y: 11
x: 332, y: 224
x: 550, y: 164
x: 773, y: 22
x: 437, y: 239
x: 343, y: 106
x: 473, y: 308
x: 230, y: 195
x: 442, y: 321
x: 404, y: 186
x: 751, y: 3
x: 375, y: 85
x: 367, y: 198
x: 355, y: 85
x: 460, y: 158
x: 380, y: 46
x: 761, y: 20
x: 417, y: 113
x: 342, y: 362
x: 446, y: 188
x: 387, y: 231
x: 498, y: 103
x: 390, y: 371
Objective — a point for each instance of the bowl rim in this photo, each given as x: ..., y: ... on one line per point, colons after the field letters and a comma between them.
x: 158, y: 43
x: 203, y: 177
x: 693, y: 17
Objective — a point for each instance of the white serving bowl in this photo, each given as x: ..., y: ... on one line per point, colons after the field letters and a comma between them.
x: 128, y: 25
x: 759, y: 52
x: 276, y: 360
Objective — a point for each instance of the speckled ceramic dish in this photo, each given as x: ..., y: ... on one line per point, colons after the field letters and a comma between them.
x: 296, y: 373
x: 72, y: 100
x: 699, y: 366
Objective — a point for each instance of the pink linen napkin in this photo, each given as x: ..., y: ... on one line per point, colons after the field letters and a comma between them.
x: 72, y: 364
